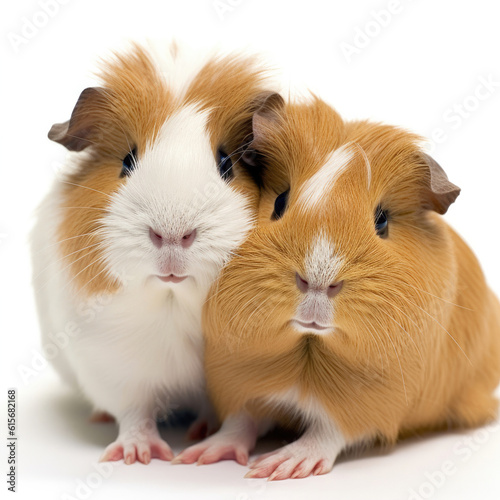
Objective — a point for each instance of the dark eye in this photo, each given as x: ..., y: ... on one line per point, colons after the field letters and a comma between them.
x: 129, y: 163
x: 381, y: 223
x: 225, y: 165
x: 280, y: 205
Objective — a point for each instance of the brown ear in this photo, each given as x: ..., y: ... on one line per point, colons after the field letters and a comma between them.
x: 81, y: 129
x: 266, y: 115
x: 439, y: 192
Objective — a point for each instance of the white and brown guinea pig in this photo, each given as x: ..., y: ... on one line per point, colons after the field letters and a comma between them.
x: 352, y: 307
x: 151, y: 206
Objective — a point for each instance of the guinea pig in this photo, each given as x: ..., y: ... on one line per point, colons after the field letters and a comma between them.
x: 152, y: 204
x: 352, y: 311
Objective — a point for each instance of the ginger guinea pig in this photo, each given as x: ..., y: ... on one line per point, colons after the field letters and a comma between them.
x: 352, y: 309
x: 151, y: 205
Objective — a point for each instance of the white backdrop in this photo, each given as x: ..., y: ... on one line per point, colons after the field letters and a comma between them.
x: 430, y: 66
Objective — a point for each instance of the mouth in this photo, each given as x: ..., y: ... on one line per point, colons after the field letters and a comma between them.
x: 311, y: 326
x: 171, y: 278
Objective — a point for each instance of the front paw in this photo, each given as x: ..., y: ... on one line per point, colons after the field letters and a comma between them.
x: 215, y: 448
x: 296, y: 460
x: 142, y: 450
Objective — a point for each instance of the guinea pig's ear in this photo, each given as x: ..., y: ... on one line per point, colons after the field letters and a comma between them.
x: 265, y: 117
x: 80, y: 130
x: 439, y: 193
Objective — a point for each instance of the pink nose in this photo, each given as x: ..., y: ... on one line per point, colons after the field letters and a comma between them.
x: 185, y: 241
x: 304, y: 286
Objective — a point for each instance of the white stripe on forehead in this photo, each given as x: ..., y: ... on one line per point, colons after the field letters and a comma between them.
x: 321, y: 183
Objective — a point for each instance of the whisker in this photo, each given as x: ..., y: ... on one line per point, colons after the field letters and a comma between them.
x: 88, y: 208
x: 271, y: 312
x: 437, y: 322
x: 371, y: 332
x: 62, y: 241
x: 86, y: 187
x: 409, y: 336
x: 63, y: 269
x: 399, y: 360
x: 92, y: 279
x: 95, y: 261
x: 436, y: 297
x: 242, y: 308
x: 63, y: 258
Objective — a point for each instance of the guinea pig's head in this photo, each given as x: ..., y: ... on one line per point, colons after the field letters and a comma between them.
x: 157, y: 194
x: 348, y: 245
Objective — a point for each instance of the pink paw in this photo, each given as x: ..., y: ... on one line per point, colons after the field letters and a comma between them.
x: 214, y: 449
x: 142, y: 450
x: 291, y: 462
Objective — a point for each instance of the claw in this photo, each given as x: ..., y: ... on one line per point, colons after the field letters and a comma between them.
x: 142, y: 450
x: 293, y: 461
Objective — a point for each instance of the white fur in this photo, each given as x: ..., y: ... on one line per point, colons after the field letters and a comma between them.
x: 367, y: 165
x: 322, y: 265
x: 321, y: 183
x: 307, y: 409
x: 178, y: 66
x: 172, y: 194
x: 139, y: 352
x: 322, y: 438
x: 323, y: 262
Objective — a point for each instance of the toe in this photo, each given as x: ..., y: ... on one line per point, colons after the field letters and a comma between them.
x: 322, y: 467
x: 144, y: 453
x: 216, y: 453
x: 302, y: 470
x: 284, y: 470
x: 189, y: 455
x: 129, y: 453
x: 256, y: 474
x: 256, y: 461
x: 112, y: 453
x: 264, y: 469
